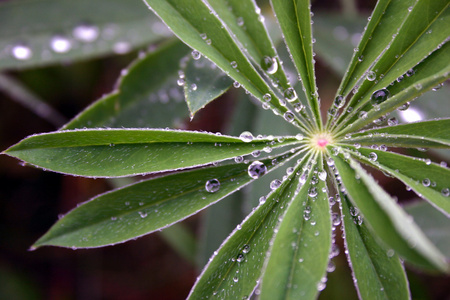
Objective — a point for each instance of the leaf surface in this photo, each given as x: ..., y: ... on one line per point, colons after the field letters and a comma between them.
x: 44, y: 32
x: 294, y: 18
x: 377, y: 275
x: 428, y: 134
x: 144, y: 207
x: 204, y: 83
x: 122, y: 152
x: 235, y: 268
x: 422, y: 176
x: 144, y: 98
x: 299, y: 256
x: 386, y: 219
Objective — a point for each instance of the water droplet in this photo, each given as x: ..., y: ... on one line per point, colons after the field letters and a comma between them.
x: 86, y: 33
x: 354, y: 211
x: 276, y: 183
x: 233, y: 64
x: 240, y: 21
x: 181, y: 81
x: 426, y: 182
x: 196, y: 55
x: 403, y: 107
x: 379, y: 96
x: 143, y: 214
x: 246, y: 249
x: 371, y: 76
x: 390, y: 252
x: 269, y: 64
x: 312, y: 192
x: 362, y: 114
x: 239, y: 159
x: 373, y: 156
x: 235, y: 279
x: 321, y: 286
x: 262, y: 199
x: 212, y: 185
x: 121, y: 47
x: 323, y: 175
x: 336, y: 219
x: 60, y: 44
x: 331, y: 267
x: 256, y: 169
x: 288, y: 116
x: 236, y: 84
x: 299, y: 136
x: 246, y: 136
x: 290, y: 95
x: 21, y: 52
x: 410, y: 72
x: 392, y: 121
x: 240, y: 258
x: 267, y: 97
x: 445, y: 192
x: 438, y: 87
x: 339, y: 101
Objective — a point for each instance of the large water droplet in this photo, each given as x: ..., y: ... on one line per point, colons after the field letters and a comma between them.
x: 246, y: 136
x: 86, y: 33
x: 212, y: 185
x: 256, y: 169
x: 269, y: 64
x: 21, y: 52
x: 379, y: 96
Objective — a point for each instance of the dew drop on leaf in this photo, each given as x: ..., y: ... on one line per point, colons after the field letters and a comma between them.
x: 403, y: 107
x: 212, y: 185
x: 276, y: 183
x: 240, y: 258
x: 426, y: 182
x: 290, y: 95
x: 288, y: 116
x: 246, y: 249
x: 379, y: 96
x: 392, y: 121
x: 323, y: 175
x: 363, y: 114
x: 312, y: 192
x: 246, y: 136
x: 21, y: 52
x: 269, y: 64
x: 196, y: 55
x: 339, y: 101
x: 267, y: 97
x: 371, y: 76
x: 86, y: 33
x: 256, y: 169
x: 373, y: 156
x: 445, y: 192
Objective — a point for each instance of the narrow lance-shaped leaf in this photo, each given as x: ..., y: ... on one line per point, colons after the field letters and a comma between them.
x: 235, y: 268
x: 122, y: 152
x: 386, y: 219
x: 294, y: 18
x: 204, y: 82
x: 146, y: 206
x: 244, y: 19
x: 72, y: 30
x: 428, y: 134
x: 378, y: 274
x: 424, y: 30
x: 298, y: 259
x: 385, y: 20
x: 422, y: 176
x: 196, y: 24
x: 144, y: 98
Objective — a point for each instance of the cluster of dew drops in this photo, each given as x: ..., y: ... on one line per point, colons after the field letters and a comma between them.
x: 84, y: 33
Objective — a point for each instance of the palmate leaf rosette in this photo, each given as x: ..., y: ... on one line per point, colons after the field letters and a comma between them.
x: 283, y: 248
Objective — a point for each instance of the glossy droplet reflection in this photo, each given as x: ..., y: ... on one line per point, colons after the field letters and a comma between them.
x: 379, y: 96
x: 269, y: 64
x: 212, y: 185
x: 256, y: 169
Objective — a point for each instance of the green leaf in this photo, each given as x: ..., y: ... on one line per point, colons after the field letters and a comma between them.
x: 377, y: 275
x: 428, y: 134
x: 435, y: 225
x: 196, y: 24
x: 385, y: 20
x: 122, y: 152
x: 413, y: 43
x: 429, y: 73
x: 425, y: 178
x: 76, y: 30
x: 386, y: 219
x: 234, y: 270
x: 299, y: 256
x: 294, y: 18
x: 204, y: 82
x: 144, y: 207
x: 144, y: 98
x: 244, y: 20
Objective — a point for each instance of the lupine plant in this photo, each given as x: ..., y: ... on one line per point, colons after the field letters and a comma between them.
x: 284, y: 248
